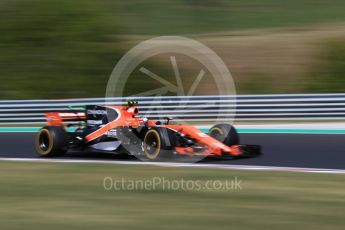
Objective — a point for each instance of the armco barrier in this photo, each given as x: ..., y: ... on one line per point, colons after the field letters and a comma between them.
x: 275, y: 107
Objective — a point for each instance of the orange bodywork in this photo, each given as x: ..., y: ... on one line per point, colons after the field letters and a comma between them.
x: 212, y: 146
x: 127, y: 118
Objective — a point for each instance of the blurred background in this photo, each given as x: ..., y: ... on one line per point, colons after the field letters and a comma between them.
x: 65, y: 49
x: 52, y: 49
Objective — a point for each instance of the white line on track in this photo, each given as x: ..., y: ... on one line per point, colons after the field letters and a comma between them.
x: 186, y: 165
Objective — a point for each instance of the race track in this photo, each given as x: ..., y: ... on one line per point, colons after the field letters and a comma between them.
x: 281, y: 150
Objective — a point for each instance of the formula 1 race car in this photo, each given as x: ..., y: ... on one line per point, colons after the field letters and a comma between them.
x: 119, y: 129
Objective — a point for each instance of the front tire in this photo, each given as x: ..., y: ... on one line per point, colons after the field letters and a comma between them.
x: 158, y: 144
x: 51, y: 141
x: 225, y: 133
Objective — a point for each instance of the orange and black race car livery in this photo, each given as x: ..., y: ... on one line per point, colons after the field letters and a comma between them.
x: 108, y: 128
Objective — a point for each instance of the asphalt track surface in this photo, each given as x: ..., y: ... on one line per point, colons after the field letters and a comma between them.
x: 282, y: 150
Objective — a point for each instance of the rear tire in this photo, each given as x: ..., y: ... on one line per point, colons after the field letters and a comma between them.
x: 225, y: 133
x: 52, y: 141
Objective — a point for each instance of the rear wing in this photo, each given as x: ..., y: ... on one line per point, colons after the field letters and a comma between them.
x: 58, y: 118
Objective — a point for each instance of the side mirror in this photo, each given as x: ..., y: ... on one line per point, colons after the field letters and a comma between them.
x: 169, y: 119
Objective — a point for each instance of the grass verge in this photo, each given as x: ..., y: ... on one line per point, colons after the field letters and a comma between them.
x: 61, y: 196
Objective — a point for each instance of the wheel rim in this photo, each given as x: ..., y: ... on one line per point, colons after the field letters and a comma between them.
x: 217, y: 134
x: 152, y: 144
x: 44, y: 142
